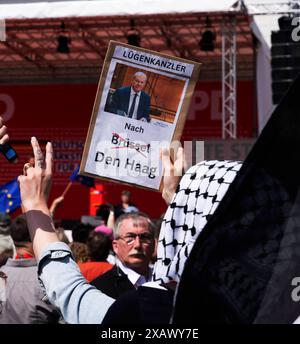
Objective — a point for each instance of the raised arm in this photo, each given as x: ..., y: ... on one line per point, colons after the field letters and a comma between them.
x: 66, y: 288
x: 35, y: 185
x: 172, y: 172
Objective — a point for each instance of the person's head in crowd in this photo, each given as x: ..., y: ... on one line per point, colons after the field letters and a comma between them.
x: 5, y: 222
x: 127, y: 206
x: 105, y: 230
x: 9, y: 253
x: 138, y: 82
x: 98, y: 245
x: 80, y: 233
x: 6, y: 242
x: 134, y: 241
x: 125, y: 197
x: 21, y: 237
x: 103, y: 212
x: 79, y: 251
x: 19, y: 230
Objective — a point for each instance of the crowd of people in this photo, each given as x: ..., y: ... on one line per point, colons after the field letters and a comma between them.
x: 113, y: 261
x: 227, y: 245
x: 103, y: 263
x: 122, y: 271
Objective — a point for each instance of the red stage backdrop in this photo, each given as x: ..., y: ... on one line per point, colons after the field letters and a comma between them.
x: 61, y: 114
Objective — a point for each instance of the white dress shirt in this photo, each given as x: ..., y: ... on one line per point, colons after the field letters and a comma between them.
x: 135, y: 278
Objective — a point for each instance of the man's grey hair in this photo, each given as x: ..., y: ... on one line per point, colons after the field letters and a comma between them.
x: 139, y: 74
x: 137, y: 218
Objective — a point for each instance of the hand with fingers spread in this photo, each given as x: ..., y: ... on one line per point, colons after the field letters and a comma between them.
x: 172, y: 172
x: 35, y: 183
x: 61, y: 278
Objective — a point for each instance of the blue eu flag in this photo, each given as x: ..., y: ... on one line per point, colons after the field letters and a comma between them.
x: 10, y: 198
x: 87, y: 181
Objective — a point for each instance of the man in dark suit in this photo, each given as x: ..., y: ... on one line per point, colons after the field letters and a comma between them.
x: 134, y: 246
x: 132, y: 101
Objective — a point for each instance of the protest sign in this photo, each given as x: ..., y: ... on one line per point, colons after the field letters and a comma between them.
x: 141, y: 105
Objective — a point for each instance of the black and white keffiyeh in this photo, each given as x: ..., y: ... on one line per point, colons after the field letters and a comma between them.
x: 198, y: 195
x: 243, y: 264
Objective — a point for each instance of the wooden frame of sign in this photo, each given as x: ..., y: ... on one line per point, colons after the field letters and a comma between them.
x: 141, y: 104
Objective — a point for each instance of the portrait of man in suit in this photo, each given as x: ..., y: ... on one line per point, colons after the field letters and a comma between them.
x: 132, y: 101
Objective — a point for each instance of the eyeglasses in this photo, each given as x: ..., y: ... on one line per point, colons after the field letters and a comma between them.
x: 145, y: 238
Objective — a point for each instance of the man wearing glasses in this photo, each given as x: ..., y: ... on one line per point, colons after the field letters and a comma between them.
x: 134, y: 246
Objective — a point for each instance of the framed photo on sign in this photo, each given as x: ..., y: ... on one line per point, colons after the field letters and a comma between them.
x: 141, y: 105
